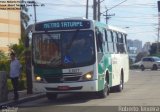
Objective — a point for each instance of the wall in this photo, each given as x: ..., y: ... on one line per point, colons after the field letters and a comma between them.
x: 10, y: 30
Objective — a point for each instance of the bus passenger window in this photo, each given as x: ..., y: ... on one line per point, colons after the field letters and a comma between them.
x: 99, y: 38
x: 110, y: 41
x: 121, y: 44
x: 105, y: 44
x: 115, y: 41
x: 106, y: 41
x: 124, y: 42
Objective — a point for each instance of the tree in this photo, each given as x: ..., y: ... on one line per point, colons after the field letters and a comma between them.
x: 24, y: 39
x: 153, y: 49
x: 140, y: 56
x: 24, y: 22
x: 18, y: 49
x: 2, y: 55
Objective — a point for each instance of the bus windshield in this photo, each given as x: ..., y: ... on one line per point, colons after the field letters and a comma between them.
x: 64, y: 49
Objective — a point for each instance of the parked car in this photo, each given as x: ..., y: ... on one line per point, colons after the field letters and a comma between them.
x: 152, y: 63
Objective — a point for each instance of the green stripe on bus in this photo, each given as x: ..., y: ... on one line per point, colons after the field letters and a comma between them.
x: 103, y: 66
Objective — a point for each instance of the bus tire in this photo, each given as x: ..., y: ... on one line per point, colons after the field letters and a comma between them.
x: 103, y: 93
x: 51, y: 96
x: 120, y: 87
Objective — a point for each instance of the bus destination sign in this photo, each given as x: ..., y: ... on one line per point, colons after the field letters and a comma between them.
x: 62, y: 25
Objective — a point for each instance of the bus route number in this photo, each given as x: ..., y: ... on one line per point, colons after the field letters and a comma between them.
x: 73, y: 70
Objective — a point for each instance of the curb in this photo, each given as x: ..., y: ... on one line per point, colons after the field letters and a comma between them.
x: 22, y: 100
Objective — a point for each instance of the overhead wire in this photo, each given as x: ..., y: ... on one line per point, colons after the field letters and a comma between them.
x: 143, y: 32
x: 81, y: 5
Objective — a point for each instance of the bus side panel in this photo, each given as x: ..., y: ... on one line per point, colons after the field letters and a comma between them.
x: 126, y: 70
x: 119, y: 64
x: 115, y: 70
x: 104, y: 65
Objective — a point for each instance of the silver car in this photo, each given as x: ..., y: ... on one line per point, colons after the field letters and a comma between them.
x: 152, y: 63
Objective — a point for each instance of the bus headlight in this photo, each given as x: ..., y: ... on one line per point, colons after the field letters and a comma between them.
x: 38, y: 78
x: 88, y: 76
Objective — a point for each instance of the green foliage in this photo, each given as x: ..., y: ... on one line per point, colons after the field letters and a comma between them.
x: 140, y: 56
x: 4, y: 62
x: 2, y: 55
x: 130, y: 61
x: 153, y: 49
x: 157, y: 55
x: 18, y: 49
x: 4, y: 65
x: 24, y: 22
x: 9, y: 85
x: 134, y: 67
x: 22, y: 85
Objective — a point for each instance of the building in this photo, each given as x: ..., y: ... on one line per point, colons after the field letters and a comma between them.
x: 146, y: 47
x: 10, y: 28
x: 136, y: 44
x: 134, y: 47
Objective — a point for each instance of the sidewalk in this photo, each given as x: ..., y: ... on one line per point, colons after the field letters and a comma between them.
x: 23, y: 97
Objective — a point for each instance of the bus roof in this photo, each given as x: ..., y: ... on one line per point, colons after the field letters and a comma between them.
x: 116, y: 29
x: 63, y: 24
x: 73, y: 18
x: 113, y: 28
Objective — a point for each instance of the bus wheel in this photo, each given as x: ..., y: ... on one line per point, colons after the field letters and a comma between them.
x: 120, y: 87
x: 103, y: 93
x: 51, y: 96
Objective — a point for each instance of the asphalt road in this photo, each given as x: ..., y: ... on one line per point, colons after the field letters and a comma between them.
x: 142, y: 89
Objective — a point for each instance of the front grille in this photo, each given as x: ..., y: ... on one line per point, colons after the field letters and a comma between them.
x: 70, y: 88
x: 72, y: 78
x: 63, y: 78
x: 53, y: 79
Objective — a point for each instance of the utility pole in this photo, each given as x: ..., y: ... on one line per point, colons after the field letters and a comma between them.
x: 158, y: 40
x: 99, y: 10
x: 158, y: 26
x: 87, y: 9
x: 28, y: 61
x: 108, y: 16
x: 35, y: 13
x: 94, y: 9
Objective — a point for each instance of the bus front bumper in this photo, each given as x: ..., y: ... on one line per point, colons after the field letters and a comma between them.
x: 87, y: 86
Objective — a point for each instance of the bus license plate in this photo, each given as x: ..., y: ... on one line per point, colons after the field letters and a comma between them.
x: 63, y: 87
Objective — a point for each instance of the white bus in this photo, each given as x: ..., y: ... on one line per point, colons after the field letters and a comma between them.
x: 78, y: 55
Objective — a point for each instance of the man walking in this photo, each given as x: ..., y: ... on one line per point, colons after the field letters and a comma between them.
x: 15, y: 67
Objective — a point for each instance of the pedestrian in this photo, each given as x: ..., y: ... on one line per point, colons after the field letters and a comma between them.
x: 15, y: 68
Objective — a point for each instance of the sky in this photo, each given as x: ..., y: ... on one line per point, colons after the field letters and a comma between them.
x: 138, y: 17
